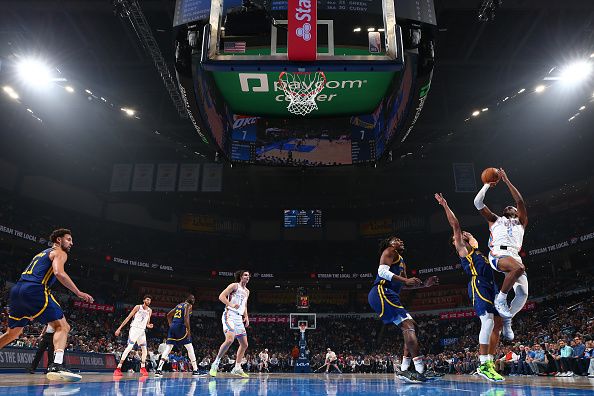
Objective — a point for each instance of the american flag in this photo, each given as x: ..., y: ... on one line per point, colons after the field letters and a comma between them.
x: 235, y: 46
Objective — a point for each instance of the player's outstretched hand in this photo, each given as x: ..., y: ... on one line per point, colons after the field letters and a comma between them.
x: 85, y: 297
x: 503, y: 175
x: 440, y: 199
x: 117, y: 333
x: 246, y: 322
x: 413, y: 282
x: 149, y: 325
x: 432, y: 281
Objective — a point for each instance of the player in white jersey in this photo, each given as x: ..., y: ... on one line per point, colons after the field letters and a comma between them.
x: 235, y: 319
x: 331, y: 360
x: 263, y: 365
x: 142, y: 320
x: 507, y: 234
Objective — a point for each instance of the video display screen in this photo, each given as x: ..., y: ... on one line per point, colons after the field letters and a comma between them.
x: 302, y: 218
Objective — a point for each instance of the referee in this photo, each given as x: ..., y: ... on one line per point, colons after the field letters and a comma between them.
x: 46, y: 343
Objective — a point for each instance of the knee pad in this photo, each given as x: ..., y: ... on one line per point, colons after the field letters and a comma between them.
x: 487, y: 324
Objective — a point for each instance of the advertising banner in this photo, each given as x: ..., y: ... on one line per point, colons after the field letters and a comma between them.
x: 14, y: 357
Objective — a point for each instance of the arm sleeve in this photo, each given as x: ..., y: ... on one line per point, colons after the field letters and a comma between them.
x: 384, y: 272
x: 478, y: 200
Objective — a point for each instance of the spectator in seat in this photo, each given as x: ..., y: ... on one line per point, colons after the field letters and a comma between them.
x: 506, y: 362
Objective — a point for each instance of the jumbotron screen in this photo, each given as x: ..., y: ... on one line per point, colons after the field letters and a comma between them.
x: 300, y: 218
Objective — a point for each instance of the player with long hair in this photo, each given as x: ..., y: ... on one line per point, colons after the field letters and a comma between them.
x: 235, y: 319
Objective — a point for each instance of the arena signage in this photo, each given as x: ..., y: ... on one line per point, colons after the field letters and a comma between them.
x: 440, y: 269
x: 344, y: 276
x: 562, y: 244
x: 20, y: 234
x: 94, y: 307
x: 469, y: 313
x: 262, y: 93
x: 12, y: 357
x: 141, y: 264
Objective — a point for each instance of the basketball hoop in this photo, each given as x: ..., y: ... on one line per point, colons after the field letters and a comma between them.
x: 301, y: 88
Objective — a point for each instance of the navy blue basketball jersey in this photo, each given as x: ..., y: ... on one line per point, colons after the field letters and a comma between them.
x: 40, y: 270
x: 476, y: 264
x: 396, y: 267
x: 179, y: 314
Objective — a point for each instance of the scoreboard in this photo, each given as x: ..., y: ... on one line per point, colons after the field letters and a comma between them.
x: 187, y: 11
x: 299, y: 218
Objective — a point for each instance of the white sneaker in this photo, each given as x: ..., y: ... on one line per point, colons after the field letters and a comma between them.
x: 239, y: 371
x: 570, y: 374
x: 503, y: 309
x: 507, y: 331
x: 591, y: 375
x: 564, y: 374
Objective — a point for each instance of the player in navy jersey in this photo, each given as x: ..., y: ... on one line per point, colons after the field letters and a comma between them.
x: 32, y: 300
x: 481, y: 291
x: 384, y: 298
x: 179, y: 334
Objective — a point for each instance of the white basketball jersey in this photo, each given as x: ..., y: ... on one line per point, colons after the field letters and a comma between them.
x: 141, y: 318
x: 506, y: 232
x: 239, y: 296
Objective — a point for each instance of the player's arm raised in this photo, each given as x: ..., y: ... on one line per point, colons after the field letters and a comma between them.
x: 384, y: 270
x: 224, y: 296
x: 455, y: 224
x: 482, y: 208
x: 187, y: 318
x: 522, y: 212
x: 58, y: 260
x: 130, y: 315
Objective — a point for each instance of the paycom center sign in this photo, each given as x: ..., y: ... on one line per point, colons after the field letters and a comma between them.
x: 344, y: 93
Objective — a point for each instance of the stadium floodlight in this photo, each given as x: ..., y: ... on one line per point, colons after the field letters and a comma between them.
x: 69, y: 89
x: 576, y: 72
x: 506, y: 98
x: 381, y: 30
x: 357, y: 29
x: 371, y: 29
x: 521, y: 90
x: 485, y: 109
x: 539, y: 88
x: 476, y: 113
x: 88, y: 91
x: 582, y: 108
x: 10, y: 92
x: 35, y: 72
x: 129, y: 112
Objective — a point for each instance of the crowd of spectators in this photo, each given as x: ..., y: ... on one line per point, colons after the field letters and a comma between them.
x: 553, y: 339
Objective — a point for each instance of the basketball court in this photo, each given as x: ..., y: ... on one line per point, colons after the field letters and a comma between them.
x: 294, y: 384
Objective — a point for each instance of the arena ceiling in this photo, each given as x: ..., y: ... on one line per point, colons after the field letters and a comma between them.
x: 478, y: 63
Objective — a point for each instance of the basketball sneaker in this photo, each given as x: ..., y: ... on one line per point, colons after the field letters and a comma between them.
x: 411, y: 377
x: 507, y: 330
x: 143, y: 372
x: 57, y: 372
x: 213, y: 370
x: 502, y: 307
x: 498, y: 377
x: 239, y: 371
x: 158, y: 374
x: 117, y: 372
x: 196, y: 373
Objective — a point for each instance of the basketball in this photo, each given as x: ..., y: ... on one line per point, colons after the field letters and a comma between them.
x: 490, y: 175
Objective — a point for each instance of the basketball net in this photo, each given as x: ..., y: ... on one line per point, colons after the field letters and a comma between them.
x: 302, y: 327
x: 301, y: 88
